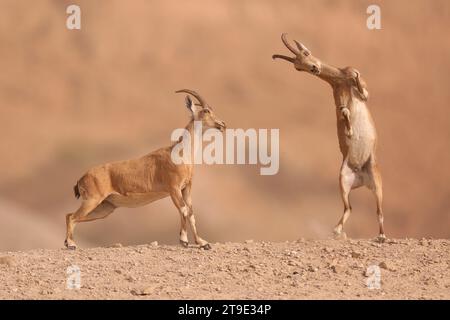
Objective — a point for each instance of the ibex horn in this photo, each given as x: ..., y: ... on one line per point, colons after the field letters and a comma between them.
x: 195, y: 94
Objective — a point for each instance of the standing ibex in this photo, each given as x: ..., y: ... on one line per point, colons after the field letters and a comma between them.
x: 137, y: 182
x: 355, y: 127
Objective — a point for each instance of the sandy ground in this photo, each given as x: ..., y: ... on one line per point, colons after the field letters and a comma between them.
x: 304, y: 269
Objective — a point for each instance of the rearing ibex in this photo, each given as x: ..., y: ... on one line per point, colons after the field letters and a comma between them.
x: 355, y: 127
x: 137, y: 182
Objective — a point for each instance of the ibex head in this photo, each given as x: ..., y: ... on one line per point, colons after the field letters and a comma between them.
x: 304, y: 60
x: 201, y: 111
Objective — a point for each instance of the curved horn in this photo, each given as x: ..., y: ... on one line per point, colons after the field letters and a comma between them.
x: 195, y: 94
x: 280, y: 56
x: 300, y: 46
x: 286, y: 43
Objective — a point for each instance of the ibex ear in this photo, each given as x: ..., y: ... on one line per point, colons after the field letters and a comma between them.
x: 192, y: 106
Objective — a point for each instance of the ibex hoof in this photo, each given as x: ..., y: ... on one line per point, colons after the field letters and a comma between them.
x: 381, y: 238
x: 206, y: 246
x: 71, y: 246
x: 185, y: 244
x: 340, y: 236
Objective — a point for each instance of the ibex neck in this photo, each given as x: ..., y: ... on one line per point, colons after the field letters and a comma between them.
x: 191, y: 141
x: 330, y: 74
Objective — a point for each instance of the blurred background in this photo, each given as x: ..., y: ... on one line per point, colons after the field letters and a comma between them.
x: 72, y: 99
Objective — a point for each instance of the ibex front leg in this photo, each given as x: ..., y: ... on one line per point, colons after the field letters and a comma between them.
x: 345, y: 114
x: 182, y: 200
x: 188, y: 200
x: 183, y: 209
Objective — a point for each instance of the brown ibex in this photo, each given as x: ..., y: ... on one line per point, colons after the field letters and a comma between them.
x: 137, y: 182
x: 355, y: 128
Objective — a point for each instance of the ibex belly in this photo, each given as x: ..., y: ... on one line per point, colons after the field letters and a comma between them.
x: 133, y: 200
x: 361, y: 143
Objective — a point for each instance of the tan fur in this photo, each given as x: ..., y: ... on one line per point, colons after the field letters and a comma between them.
x: 355, y: 128
x: 137, y: 182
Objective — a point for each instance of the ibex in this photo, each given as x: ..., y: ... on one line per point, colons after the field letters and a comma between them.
x: 137, y: 182
x: 355, y: 128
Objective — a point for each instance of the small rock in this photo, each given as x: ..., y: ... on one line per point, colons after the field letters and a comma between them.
x: 383, y: 265
x: 328, y: 250
x: 118, y: 271
x: 292, y: 263
x: 8, y: 261
x: 117, y: 245
x: 249, y: 241
x: 356, y: 254
x: 154, y: 243
x: 312, y: 269
x: 336, y: 268
x: 130, y: 279
x: 143, y: 292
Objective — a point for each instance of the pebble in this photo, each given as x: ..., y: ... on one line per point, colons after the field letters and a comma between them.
x: 383, y: 265
x: 143, y: 292
x: 356, y: 254
x: 336, y: 268
x: 249, y: 241
x: 312, y: 269
x: 328, y: 250
x: 154, y: 243
x: 117, y: 245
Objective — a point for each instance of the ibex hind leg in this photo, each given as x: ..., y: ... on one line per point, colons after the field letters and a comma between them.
x: 103, y: 210
x: 374, y: 183
x: 348, y: 179
x: 82, y: 214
